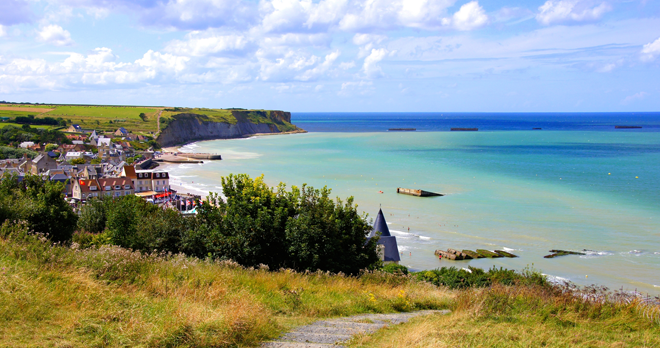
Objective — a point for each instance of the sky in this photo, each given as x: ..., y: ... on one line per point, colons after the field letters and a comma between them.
x: 335, y: 55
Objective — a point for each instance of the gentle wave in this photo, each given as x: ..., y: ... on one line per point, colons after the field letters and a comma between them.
x: 403, y: 234
x: 592, y: 254
x: 556, y: 279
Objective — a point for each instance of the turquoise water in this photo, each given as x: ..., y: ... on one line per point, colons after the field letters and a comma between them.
x: 529, y: 191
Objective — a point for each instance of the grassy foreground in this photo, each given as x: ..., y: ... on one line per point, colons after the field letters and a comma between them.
x: 59, y: 296
x: 67, y: 297
x: 525, y: 316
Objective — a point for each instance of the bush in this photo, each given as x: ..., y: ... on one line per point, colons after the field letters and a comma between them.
x: 472, y: 277
x: 40, y: 203
x: 395, y: 269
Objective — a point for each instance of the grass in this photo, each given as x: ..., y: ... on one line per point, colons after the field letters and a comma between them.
x: 14, y: 113
x: 214, y: 115
x: 6, y: 124
x: 523, y: 316
x: 99, y: 117
x: 109, y: 296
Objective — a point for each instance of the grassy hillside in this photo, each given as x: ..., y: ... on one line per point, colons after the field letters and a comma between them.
x: 109, y: 118
x: 55, y: 296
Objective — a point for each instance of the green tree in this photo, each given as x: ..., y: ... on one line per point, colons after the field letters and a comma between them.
x: 95, y: 161
x: 51, y: 147
x: 143, y: 117
x: 77, y: 161
x: 93, y: 216
x: 39, y: 202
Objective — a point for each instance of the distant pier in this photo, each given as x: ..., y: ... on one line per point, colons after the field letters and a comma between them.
x: 402, y: 129
x: 418, y: 193
x: 461, y: 129
x: 627, y: 127
x: 184, y: 157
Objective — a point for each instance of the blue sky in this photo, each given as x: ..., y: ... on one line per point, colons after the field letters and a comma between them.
x: 335, y: 55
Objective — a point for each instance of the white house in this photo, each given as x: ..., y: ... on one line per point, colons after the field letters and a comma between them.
x: 73, y: 155
x: 26, y: 144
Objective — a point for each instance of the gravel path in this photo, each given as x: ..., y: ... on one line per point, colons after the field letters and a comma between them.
x: 333, y: 332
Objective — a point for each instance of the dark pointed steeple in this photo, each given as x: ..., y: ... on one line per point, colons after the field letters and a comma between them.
x: 388, y: 242
x: 380, y: 225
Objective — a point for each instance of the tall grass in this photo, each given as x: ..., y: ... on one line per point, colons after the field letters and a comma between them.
x: 54, y: 295
x: 530, y: 316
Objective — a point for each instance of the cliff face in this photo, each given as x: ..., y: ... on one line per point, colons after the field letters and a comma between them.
x: 185, y: 128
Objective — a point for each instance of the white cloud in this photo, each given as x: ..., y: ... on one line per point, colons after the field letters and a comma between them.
x: 319, y: 69
x: 346, y: 65
x: 470, y: 16
x: 206, y: 43
x: 371, y: 67
x: 3, y: 32
x: 99, y: 67
x: 571, y: 10
x: 631, y: 98
x: 55, y: 35
x: 651, y: 50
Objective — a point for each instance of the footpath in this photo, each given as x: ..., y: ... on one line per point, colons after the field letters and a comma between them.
x: 334, y: 332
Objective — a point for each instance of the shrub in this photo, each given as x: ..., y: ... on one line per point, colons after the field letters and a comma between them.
x: 40, y: 203
x: 395, y: 269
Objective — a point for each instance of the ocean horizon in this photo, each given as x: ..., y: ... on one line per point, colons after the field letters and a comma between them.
x: 576, y: 183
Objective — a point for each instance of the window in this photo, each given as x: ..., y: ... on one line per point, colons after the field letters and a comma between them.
x: 127, y: 193
x: 127, y: 187
x: 117, y: 187
x: 139, y: 182
x: 108, y: 188
x: 92, y: 188
x: 117, y: 194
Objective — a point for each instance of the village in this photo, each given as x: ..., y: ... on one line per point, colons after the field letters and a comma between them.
x: 98, y: 164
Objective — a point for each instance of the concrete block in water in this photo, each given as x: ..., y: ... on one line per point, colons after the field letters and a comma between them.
x: 488, y: 253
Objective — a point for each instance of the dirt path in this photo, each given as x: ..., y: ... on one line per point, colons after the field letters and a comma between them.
x: 158, y: 120
x: 332, y: 332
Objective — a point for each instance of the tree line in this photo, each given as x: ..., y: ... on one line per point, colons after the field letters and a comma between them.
x: 253, y: 224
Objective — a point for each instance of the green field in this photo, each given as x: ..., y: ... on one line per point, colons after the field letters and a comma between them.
x: 109, y: 118
x: 12, y: 113
x: 6, y: 124
x: 104, y: 118
x: 215, y: 115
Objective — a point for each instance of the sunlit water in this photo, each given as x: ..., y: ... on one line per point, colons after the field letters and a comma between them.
x: 524, y: 191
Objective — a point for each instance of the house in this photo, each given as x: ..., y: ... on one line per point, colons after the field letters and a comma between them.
x: 149, y: 180
x: 104, y: 142
x: 93, y: 137
x: 42, y: 163
x: 77, y: 142
x: 387, y: 247
x: 90, y: 172
x: 37, y: 147
x: 121, y: 132
x: 26, y: 144
x: 141, y: 138
x: 85, y: 189
x: 116, y: 187
x: 74, y: 128
x: 67, y: 148
x: 71, y: 155
x: 52, y: 154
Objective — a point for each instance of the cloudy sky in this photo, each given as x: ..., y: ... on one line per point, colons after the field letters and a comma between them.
x: 335, y: 55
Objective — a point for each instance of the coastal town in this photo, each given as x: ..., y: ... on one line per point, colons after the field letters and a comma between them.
x: 97, y: 164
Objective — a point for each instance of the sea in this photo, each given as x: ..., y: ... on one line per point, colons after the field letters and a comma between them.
x: 526, y: 183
